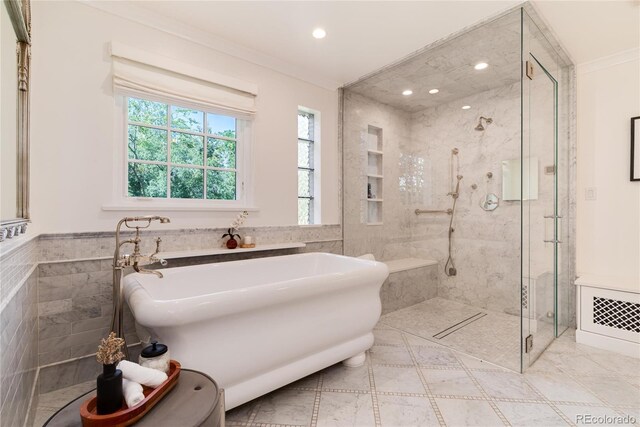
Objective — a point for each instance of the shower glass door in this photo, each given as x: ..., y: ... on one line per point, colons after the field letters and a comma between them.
x: 541, y: 210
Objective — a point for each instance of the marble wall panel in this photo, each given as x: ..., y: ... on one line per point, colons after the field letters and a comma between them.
x: 406, y: 288
x: 18, y: 348
x: 75, y: 288
x: 486, y: 245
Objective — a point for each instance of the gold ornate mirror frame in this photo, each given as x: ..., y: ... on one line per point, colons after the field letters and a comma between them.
x: 19, y: 12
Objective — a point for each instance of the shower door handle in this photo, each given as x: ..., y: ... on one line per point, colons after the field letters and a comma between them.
x: 552, y: 241
x: 552, y: 216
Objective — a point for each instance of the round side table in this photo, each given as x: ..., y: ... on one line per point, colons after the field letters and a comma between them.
x: 195, y: 401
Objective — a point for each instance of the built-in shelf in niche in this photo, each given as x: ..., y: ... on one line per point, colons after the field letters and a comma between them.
x: 375, y: 175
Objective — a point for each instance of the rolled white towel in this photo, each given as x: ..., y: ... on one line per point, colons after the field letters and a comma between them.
x: 132, y: 392
x: 141, y: 375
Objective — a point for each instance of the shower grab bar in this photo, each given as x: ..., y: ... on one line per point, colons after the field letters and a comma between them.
x: 424, y: 211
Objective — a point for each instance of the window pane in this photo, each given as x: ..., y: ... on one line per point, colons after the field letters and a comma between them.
x: 221, y: 185
x: 147, y: 143
x: 221, y: 125
x: 305, y: 183
x: 305, y: 208
x: 221, y: 153
x: 187, y: 183
x: 305, y: 154
x: 305, y: 125
x: 147, y: 180
x: 184, y: 118
x: 187, y: 149
x: 143, y: 111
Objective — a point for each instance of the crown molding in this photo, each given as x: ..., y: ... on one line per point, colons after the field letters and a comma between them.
x: 148, y: 18
x: 609, y: 61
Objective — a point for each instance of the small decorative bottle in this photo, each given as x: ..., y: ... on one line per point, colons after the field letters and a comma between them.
x: 109, y: 383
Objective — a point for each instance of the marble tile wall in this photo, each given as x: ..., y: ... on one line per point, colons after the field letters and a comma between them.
x: 58, y: 247
x: 75, y: 288
x: 18, y: 338
x: 486, y: 245
x: 409, y: 287
x: 360, y: 238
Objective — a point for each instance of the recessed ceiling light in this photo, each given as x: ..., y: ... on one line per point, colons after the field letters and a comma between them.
x: 433, y: 91
x: 407, y: 92
x: 319, y: 33
x: 466, y: 107
x: 481, y: 66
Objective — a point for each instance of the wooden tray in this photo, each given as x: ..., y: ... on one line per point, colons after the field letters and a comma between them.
x: 127, y: 416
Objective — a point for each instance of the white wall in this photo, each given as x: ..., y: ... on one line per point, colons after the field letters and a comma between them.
x: 73, y: 116
x: 608, y: 228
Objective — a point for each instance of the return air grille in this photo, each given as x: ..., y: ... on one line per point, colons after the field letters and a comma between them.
x: 616, y: 314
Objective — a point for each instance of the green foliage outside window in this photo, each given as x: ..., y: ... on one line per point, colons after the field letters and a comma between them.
x: 194, y: 156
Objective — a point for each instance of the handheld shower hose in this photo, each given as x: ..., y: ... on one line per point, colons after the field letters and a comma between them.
x: 449, y: 266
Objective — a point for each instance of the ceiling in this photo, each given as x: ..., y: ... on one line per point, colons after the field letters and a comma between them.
x: 363, y: 36
x: 590, y: 30
x: 449, y: 67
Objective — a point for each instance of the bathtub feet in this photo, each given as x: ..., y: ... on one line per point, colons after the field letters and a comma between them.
x: 355, y: 361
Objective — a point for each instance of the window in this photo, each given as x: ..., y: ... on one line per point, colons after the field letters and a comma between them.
x: 307, y: 182
x: 176, y: 152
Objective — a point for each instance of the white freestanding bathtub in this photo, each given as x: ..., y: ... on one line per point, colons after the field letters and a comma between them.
x: 256, y: 325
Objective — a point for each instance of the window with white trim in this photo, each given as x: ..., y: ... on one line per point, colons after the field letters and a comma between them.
x: 308, y: 154
x: 177, y: 152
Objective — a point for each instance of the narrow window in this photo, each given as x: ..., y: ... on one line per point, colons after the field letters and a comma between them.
x: 307, y: 141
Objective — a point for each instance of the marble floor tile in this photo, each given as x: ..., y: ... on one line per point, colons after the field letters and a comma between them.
x: 530, y: 414
x: 505, y: 385
x: 388, y: 337
x: 494, y: 337
x: 59, y: 398
x: 286, y: 407
x: 346, y: 398
x: 459, y: 412
x: 474, y: 363
x: 432, y: 356
x: 398, y: 380
x: 345, y: 410
x: 310, y: 381
x: 560, y: 387
x: 241, y: 414
x: 579, y: 415
x: 406, y: 411
x: 381, y: 354
x: 414, y: 340
x: 612, y: 390
x: 450, y: 382
x: 341, y: 377
x: 42, y: 415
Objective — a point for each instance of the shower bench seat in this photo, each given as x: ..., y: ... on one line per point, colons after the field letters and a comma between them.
x: 411, y: 281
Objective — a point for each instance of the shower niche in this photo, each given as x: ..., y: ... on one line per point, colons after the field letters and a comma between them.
x: 512, y: 292
x: 375, y: 175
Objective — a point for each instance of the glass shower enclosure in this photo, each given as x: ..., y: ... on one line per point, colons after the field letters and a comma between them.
x: 464, y: 187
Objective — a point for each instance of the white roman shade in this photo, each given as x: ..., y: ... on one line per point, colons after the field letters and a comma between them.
x: 143, y: 73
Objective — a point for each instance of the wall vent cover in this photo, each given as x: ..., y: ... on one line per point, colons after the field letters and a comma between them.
x: 617, y: 314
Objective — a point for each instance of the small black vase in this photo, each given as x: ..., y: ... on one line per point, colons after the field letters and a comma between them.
x: 109, y: 390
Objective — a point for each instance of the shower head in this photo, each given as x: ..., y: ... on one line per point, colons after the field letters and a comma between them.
x: 487, y: 121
